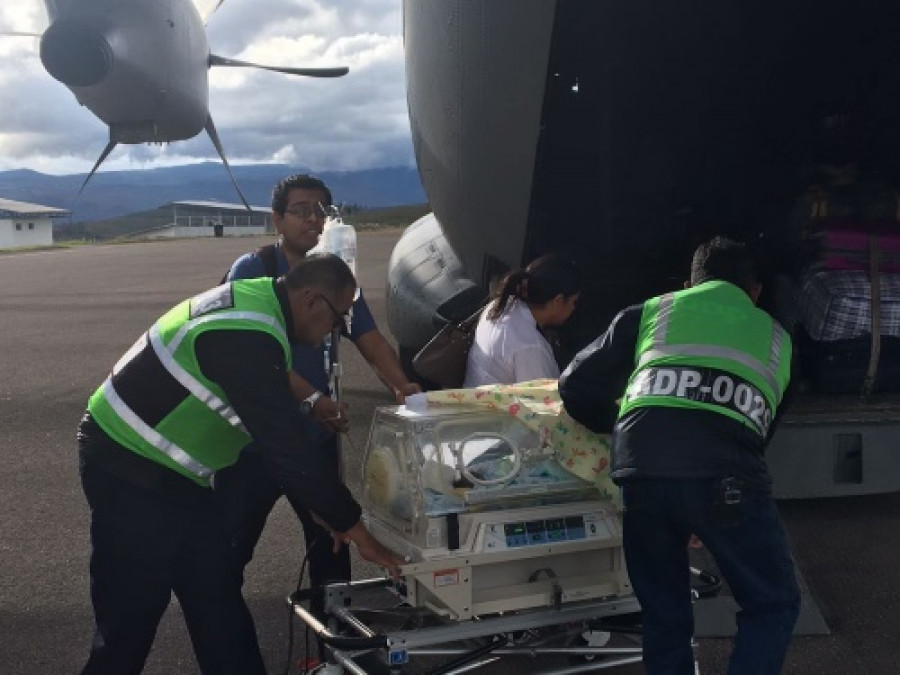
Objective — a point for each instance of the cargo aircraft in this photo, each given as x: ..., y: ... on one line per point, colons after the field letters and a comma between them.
x: 141, y: 67
x: 626, y: 133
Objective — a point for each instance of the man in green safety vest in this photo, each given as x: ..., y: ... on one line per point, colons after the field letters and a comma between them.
x: 690, y: 382
x: 207, y: 378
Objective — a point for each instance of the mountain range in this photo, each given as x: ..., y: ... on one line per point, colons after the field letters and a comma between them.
x: 114, y: 193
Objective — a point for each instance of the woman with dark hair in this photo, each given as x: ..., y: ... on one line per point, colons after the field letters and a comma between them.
x: 509, y: 346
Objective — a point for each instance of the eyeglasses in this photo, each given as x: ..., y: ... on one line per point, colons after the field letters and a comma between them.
x: 341, y: 319
x: 304, y: 210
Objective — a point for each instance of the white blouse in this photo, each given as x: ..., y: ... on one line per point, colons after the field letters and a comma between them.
x: 510, y: 349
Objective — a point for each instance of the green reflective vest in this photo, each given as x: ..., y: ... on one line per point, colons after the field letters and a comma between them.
x: 195, y: 431
x: 709, y: 347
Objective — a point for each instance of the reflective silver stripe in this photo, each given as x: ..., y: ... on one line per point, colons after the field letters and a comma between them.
x: 777, y: 337
x: 195, y: 387
x: 660, y: 349
x: 153, y: 437
x: 267, y: 319
x: 133, y: 351
x: 191, y: 383
x: 188, y: 381
x: 663, y: 314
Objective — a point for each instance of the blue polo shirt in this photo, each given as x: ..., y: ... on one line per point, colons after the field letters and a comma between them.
x: 309, y: 362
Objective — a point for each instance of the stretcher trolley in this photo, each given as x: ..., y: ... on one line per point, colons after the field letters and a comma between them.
x: 507, y: 554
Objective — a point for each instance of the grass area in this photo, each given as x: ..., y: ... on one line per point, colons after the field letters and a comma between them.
x: 114, y: 228
x: 387, y: 217
x: 33, y: 249
x: 138, y: 225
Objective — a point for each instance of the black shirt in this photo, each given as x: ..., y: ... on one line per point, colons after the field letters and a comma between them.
x: 655, y: 441
x: 250, y: 367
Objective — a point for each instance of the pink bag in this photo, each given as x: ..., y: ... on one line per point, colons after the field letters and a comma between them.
x: 849, y: 249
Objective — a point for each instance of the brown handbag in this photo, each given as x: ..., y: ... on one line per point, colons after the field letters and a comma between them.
x: 443, y: 359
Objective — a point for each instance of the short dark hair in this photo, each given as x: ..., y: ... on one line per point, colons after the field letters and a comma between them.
x: 725, y: 260
x: 299, y: 181
x: 545, y: 277
x: 322, y: 271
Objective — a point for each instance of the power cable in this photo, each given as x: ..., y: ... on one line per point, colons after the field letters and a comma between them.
x: 290, y: 648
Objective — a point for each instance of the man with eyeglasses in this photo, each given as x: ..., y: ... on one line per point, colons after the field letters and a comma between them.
x: 299, y: 206
x: 208, y: 377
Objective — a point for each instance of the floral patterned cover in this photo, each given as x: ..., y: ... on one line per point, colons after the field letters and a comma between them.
x: 536, y: 403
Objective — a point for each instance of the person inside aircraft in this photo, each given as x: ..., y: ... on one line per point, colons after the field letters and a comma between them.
x: 210, y: 376
x: 692, y: 381
x: 509, y: 345
x: 246, y: 491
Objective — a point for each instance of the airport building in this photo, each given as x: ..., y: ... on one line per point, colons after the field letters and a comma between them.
x: 24, y: 225
x: 214, y: 219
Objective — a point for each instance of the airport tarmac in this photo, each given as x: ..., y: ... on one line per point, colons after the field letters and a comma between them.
x: 67, y: 316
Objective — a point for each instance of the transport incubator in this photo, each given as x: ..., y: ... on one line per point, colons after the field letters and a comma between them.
x: 507, y: 552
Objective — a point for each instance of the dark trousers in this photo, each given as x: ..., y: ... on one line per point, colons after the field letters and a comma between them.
x: 751, y: 550
x: 146, y: 544
x: 247, y: 495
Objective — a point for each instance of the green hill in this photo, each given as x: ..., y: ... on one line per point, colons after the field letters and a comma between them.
x: 388, y: 216
x: 143, y: 222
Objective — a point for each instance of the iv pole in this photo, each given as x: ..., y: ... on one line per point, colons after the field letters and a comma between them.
x: 335, y: 380
x: 333, y: 364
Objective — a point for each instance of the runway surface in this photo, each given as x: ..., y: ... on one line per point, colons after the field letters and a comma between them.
x: 68, y: 314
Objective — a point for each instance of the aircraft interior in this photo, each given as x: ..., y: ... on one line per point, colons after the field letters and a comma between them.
x: 666, y: 123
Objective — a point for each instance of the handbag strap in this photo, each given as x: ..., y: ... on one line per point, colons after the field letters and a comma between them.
x: 471, y: 321
x: 875, y: 298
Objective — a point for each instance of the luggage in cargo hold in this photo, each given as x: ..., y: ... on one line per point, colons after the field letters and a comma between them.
x: 840, y: 366
x: 838, y: 305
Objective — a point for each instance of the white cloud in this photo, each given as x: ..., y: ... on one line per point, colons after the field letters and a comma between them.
x: 357, y: 121
x: 286, y: 155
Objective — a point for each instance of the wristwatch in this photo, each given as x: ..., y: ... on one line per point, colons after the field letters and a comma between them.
x: 307, y: 404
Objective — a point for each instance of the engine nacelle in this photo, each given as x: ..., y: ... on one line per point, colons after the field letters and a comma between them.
x: 141, y: 67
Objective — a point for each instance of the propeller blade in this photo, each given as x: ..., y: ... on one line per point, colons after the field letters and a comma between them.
x: 212, y: 11
x: 103, y: 155
x: 214, y: 137
x: 310, y: 72
x: 20, y: 34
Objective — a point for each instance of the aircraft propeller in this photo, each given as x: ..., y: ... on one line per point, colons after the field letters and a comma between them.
x: 222, y: 61
x: 110, y: 146
x: 308, y: 72
x: 205, y: 15
x: 214, y: 137
x: 107, y: 54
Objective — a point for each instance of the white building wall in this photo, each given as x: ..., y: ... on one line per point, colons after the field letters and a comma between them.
x: 30, y: 232
x: 189, y: 232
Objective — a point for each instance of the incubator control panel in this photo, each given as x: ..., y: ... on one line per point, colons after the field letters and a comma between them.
x: 519, y: 534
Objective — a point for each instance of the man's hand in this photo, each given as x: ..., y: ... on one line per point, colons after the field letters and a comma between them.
x: 373, y: 550
x: 404, y: 390
x: 379, y: 354
x: 332, y: 414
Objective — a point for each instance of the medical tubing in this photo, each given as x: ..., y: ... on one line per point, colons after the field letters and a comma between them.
x: 456, y: 449
x: 290, y: 648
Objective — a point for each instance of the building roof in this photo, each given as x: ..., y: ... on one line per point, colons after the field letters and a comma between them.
x: 10, y: 208
x: 223, y: 206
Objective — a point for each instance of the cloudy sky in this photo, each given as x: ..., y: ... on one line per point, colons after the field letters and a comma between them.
x: 358, y: 121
